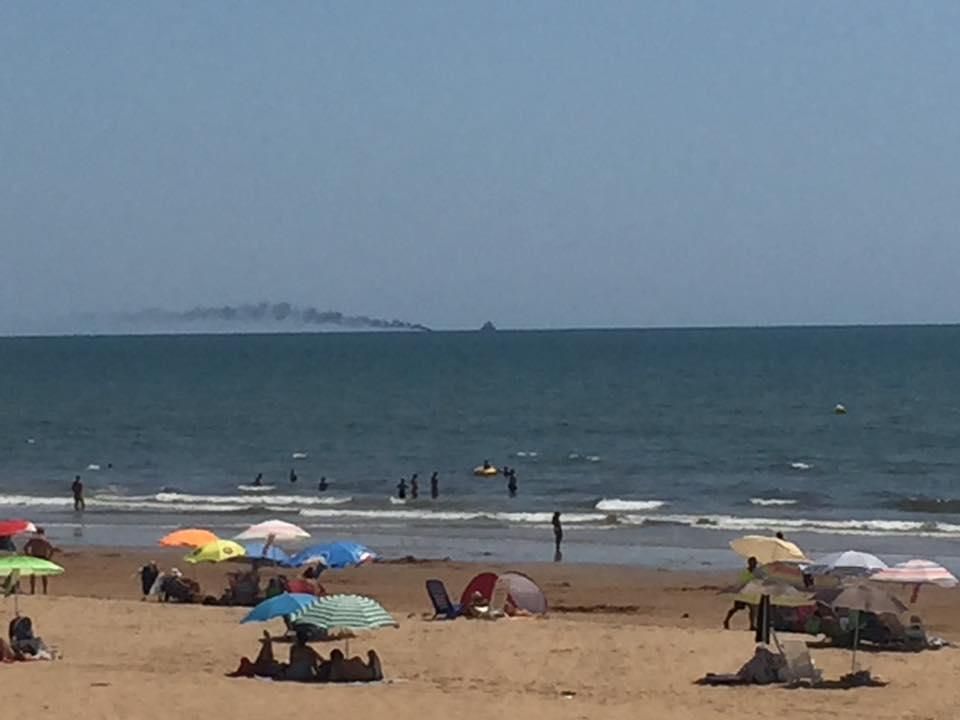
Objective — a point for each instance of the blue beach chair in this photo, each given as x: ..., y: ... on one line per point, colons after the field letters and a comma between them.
x: 443, y: 608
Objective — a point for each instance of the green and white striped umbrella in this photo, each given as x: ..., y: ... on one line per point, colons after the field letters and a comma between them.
x: 345, y: 612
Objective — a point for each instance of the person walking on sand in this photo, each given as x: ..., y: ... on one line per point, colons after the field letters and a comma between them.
x: 746, y: 576
x: 434, y: 486
x: 39, y: 547
x: 414, y: 487
x: 77, y: 488
x: 402, y: 489
x: 557, y: 537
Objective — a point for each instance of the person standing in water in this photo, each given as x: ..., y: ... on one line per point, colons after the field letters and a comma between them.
x: 414, y: 487
x: 557, y: 537
x: 293, y: 476
x: 258, y: 480
x: 434, y: 486
x: 402, y: 489
x: 77, y: 488
x: 512, y: 483
x: 322, y: 486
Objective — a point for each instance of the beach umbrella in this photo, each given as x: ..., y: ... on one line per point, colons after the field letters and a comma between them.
x: 14, y: 567
x: 784, y: 572
x: 259, y: 552
x: 345, y: 612
x: 9, y: 528
x: 848, y: 562
x: 866, y: 598
x: 217, y: 551
x: 768, y: 549
x: 27, y: 566
x: 188, y: 538
x: 917, y: 573
x: 279, y: 606
x: 341, y: 554
x: 273, y: 531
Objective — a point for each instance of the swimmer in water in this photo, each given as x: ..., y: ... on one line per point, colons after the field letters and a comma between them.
x: 293, y: 476
x: 322, y: 487
x: 414, y: 487
x: 434, y: 486
x: 402, y: 489
x: 258, y: 480
x: 486, y: 464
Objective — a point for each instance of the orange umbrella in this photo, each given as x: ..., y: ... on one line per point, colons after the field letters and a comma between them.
x: 188, y: 538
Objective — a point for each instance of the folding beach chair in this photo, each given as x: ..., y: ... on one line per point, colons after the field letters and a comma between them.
x: 443, y: 608
x: 800, y: 667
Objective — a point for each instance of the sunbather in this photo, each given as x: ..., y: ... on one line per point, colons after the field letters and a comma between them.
x: 24, y: 643
x: 510, y: 609
x: 305, y: 662
x: 265, y: 665
x: 354, y: 669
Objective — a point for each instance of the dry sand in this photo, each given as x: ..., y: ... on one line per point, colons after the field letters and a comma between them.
x: 620, y: 642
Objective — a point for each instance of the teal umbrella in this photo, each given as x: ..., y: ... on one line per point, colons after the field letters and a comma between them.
x: 345, y: 612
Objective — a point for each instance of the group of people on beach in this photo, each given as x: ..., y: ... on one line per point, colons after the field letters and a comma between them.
x: 415, y: 487
x: 307, y: 665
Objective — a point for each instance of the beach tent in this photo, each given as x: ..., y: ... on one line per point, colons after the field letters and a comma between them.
x: 520, y: 589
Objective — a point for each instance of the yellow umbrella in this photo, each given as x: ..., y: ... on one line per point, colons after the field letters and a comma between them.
x: 780, y: 594
x: 768, y: 549
x: 217, y: 551
x: 189, y: 538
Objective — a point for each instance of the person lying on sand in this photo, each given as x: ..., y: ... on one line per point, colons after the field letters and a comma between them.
x: 265, y: 665
x: 354, y: 669
x: 305, y: 662
x: 23, y: 642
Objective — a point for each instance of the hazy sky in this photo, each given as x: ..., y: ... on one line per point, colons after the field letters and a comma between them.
x: 535, y: 163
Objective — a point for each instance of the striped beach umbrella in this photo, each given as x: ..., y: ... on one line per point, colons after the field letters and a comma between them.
x: 345, y: 612
x: 917, y: 572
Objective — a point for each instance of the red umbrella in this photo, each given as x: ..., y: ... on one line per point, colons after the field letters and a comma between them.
x: 15, y: 527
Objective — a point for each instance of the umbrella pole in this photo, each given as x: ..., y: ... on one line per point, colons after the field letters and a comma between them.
x: 856, y: 644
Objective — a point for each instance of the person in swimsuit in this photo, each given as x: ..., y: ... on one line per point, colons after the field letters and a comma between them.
x: 434, y: 486
x: 557, y: 537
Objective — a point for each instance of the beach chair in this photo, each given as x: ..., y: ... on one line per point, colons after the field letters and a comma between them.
x: 443, y: 608
x: 800, y: 667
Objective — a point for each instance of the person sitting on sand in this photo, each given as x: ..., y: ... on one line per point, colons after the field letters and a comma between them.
x: 478, y: 608
x: 148, y: 576
x: 305, y: 662
x: 24, y: 643
x: 354, y: 669
x: 265, y: 665
x: 745, y: 577
x: 511, y: 609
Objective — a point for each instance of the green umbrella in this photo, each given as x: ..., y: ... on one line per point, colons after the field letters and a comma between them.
x: 345, y: 612
x: 26, y: 566
x: 16, y: 566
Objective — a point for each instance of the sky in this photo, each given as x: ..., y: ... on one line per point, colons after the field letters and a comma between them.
x: 538, y: 164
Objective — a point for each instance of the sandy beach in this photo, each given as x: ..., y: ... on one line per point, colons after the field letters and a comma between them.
x: 619, y: 641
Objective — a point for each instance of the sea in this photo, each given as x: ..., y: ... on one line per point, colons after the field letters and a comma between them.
x: 656, y: 446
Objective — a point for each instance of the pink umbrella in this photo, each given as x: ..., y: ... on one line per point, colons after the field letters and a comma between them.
x: 917, y: 573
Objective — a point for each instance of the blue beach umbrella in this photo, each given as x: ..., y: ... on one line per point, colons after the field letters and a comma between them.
x: 279, y: 606
x: 273, y: 554
x: 345, y: 553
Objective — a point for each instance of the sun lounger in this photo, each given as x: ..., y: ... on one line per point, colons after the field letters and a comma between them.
x: 443, y: 608
x: 800, y: 667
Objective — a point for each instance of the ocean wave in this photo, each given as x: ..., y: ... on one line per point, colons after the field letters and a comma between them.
x: 828, y: 527
x: 772, y: 501
x: 519, y: 518
x: 618, y: 505
x: 801, y: 466
x: 176, y: 498
x: 527, y: 453
x: 927, y: 505
x: 299, y: 455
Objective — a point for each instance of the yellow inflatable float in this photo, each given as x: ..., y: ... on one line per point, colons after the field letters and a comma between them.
x: 482, y: 471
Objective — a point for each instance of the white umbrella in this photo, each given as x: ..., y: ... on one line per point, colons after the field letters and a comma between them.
x: 849, y: 562
x: 866, y: 598
x: 271, y: 531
